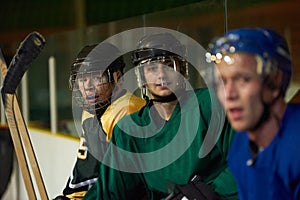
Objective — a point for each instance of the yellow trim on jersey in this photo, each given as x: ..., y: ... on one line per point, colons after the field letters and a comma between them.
x: 82, y: 149
x: 86, y: 115
x: 76, y: 195
x: 125, y: 105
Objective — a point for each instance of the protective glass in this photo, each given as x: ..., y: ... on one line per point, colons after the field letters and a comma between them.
x: 89, y: 79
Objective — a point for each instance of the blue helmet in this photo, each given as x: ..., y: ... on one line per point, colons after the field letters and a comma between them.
x: 266, y: 43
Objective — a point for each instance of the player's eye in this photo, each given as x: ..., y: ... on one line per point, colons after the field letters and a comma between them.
x: 152, y: 68
x: 81, y: 80
x: 98, y: 79
x: 242, y: 79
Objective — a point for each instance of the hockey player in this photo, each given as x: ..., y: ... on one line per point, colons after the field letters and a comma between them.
x: 253, y: 71
x: 166, y: 136
x: 93, y: 81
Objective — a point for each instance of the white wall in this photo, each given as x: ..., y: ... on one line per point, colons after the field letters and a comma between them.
x: 56, y: 156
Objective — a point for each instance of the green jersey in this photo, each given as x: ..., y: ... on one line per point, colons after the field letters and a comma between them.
x: 148, y: 155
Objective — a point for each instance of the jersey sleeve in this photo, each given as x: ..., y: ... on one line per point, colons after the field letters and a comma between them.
x: 213, y: 115
x: 94, y: 143
x: 84, y: 175
x: 125, y: 105
x: 115, y: 183
x: 225, y: 183
x: 86, y: 168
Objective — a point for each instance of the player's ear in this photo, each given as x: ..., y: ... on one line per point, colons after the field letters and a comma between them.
x: 273, y: 83
x: 117, y: 76
x: 277, y: 82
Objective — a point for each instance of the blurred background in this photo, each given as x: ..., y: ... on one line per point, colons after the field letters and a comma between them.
x: 68, y: 25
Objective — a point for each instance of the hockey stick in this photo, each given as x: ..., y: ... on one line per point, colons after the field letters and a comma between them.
x: 18, y: 146
x: 26, y: 53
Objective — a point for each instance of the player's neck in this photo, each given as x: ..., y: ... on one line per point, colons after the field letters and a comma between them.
x: 264, y: 135
x: 165, y: 109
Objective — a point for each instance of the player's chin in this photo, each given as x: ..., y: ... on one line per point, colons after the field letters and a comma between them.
x: 91, y: 101
x: 238, y: 125
x: 165, y: 93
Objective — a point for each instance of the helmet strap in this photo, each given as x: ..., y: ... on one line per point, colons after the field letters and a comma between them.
x: 169, y: 98
x: 149, y: 102
x: 144, y: 93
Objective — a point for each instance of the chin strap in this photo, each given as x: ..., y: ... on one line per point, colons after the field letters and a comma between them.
x: 157, y: 98
x: 149, y: 102
x: 169, y: 98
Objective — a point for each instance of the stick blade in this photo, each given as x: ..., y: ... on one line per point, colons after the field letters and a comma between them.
x: 28, y: 50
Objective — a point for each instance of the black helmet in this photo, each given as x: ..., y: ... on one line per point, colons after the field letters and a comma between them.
x: 156, y: 47
x: 162, y: 44
x: 103, y: 57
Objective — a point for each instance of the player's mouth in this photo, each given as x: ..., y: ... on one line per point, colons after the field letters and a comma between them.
x: 164, y: 85
x: 92, y: 98
x: 235, y: 113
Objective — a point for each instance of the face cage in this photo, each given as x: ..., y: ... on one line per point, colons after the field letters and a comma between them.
x: 182, y: 66
x: 139, y: 70
x: 106, y: 77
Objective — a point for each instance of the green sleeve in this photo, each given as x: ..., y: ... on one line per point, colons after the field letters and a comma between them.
x: 113, y: 183
x: 225, y: 183
x: 222, y: 181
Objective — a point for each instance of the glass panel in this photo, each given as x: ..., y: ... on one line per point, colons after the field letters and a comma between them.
x: 198, y: 20
x: 201, y: 21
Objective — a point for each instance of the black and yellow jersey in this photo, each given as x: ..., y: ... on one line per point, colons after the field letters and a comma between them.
x: 96, y: 136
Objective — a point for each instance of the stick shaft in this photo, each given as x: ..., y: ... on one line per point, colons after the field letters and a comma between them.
x: 20, y: 137
x: 19, y: 150
x: 29, y: 150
